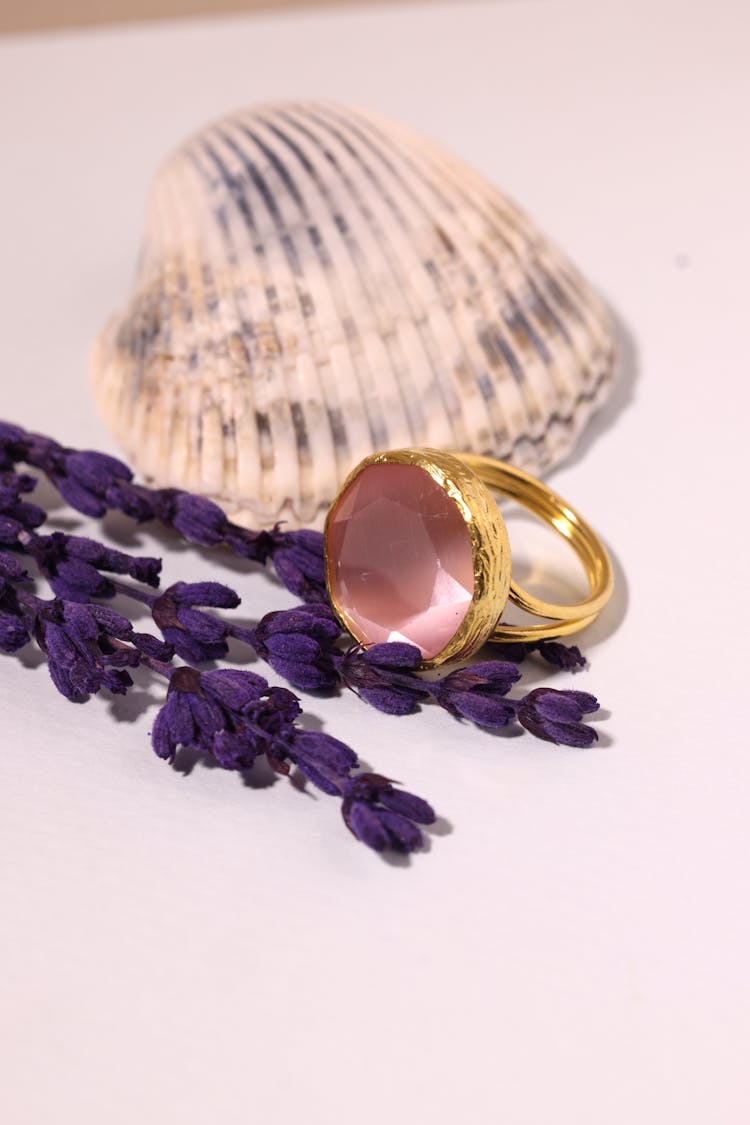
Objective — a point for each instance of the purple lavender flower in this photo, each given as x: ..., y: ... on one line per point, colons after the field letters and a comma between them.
x: 196, y: 637
x: 234, y: 716
x: 14, y: 632
x: 12, y: 445
x: 11, y: 570
x: 199, y: 519
x: 299, y: 644
x: 238, y: 716
x: 323, y: 759
x: 384, y: 817
x: 13, y: 486
x: 116, y: 627
x: 94, y: 482
x: 190, y: 717
x: 16, y: 515
x: 568, y: 657
x: 84, y: 477
x: 72, y: 565
x: 143, y: 568
x: 140, y: 503
x: 15, y: 629
x: 81, y: 655
x: 384, y: 676
x: 478, y: 693
x: 298, y: 561
x: 556, y: 716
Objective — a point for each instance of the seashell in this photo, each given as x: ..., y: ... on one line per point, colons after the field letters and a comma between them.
x: 317, y: 284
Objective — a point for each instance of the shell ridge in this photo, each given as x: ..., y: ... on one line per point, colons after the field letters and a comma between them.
x: 289, y: 323
x: 517, y: 395
x: 371, y: 240
x: 464, y: 328
x: 257, y: 300
x: 468, y: 181
x: 412, y: 267
x: 343, y: 330
x: 455, y: 172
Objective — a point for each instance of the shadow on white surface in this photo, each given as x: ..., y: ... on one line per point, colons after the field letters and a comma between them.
x: 128, y: 708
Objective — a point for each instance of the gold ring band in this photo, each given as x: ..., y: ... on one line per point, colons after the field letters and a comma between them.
x: 540, y: 499
x: 417, y: 550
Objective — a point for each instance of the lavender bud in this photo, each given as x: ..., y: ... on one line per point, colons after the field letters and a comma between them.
x: 197, y: 637
x: 11, y: 435
x: 568, y: 657
x: 234, y: 689
x: 477, y: 693
x: 153, y: 647
x: 199, y: 519
x: 95, y: 471
x: 112, y: 622
x: 203, y: 628
x: 323, y: 759
x: 142, y: 568
x: 11, y: 568
x: 299, y: 645
x: 14, y: 633
x: 555, y: 716
x: 383, y: 817
x: 298, y: 561
x: 310, y: 619
x: 559, y: 655
x: 205, y: 594
x: 173, y: 727
x: 407, y: 804
x: 79, y: 497
x: 79, y: 582
x: 115, y: 681
x: 131, y: 500
x: 234, y: 751
x: 395, y: 655
x: 19, y: 519
x: 383, y: 676
x: 12, y: 487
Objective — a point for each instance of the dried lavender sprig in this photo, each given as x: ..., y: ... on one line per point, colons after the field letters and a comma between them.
x: 234, y: 716
x: 559, y: 655
x: 478, y: 693
x: 300, y: 644
x: 94, y: 483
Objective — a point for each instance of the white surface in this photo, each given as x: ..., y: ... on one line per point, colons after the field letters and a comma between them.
x: 575, y: 950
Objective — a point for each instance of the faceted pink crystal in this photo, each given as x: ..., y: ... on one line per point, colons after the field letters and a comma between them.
x: 401, y: 559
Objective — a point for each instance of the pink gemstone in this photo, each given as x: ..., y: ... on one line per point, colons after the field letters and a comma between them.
x: 401, y: 559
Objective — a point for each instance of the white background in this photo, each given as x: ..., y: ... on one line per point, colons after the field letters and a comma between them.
x: 574, y: 946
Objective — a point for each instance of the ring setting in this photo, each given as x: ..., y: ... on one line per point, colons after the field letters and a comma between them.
x: 416, y: 550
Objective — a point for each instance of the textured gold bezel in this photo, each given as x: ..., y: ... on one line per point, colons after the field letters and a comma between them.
x: 487, y: 534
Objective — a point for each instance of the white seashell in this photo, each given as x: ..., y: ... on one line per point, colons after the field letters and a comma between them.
x: 317, y: 284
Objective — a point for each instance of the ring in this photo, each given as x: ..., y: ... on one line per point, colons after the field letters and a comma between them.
x: 416, y: 550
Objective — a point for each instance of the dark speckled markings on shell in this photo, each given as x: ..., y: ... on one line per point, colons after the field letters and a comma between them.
x: 317, y: 284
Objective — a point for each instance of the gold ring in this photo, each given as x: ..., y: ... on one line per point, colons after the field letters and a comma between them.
x: 417, y: 550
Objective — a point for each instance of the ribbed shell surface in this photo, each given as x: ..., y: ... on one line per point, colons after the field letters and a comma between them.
x: 317, y: 284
